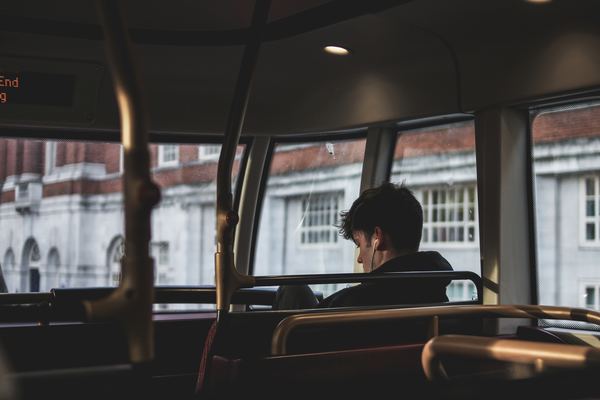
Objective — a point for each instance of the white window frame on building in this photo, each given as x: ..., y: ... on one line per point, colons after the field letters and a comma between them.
x: 585, y: 287
x: 117, y: 252
x: 466, y: 289
x: 168, y: 155
x: 209, y: 152
x: 50, y: 157
x: 161, y: 255
x: 34, y: 258
x: 590, y: 211
x: 450, y: 216
x: 121, y: 158
x: 52, y: 270
x: 320, y: 213
x: 11, y: 272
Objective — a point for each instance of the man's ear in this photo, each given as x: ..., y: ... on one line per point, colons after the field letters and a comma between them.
x: 378, y: 238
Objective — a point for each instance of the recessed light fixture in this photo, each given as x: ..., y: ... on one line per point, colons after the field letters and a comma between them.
x: 538, y: 1
x: 336, y: 50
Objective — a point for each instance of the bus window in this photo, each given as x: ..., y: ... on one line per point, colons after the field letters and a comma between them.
x: 566, y: 160
x: 438, y: 164
x: 183, y: 223
x: 62, y: 213
x: 308, y: 185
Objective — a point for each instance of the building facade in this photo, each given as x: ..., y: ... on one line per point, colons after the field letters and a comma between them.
x: 61, y: 211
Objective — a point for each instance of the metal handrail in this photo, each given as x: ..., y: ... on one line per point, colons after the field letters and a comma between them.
x: 278, y: 280
x: 539, y: 355
x: 67, y: 305
x: 206, y: 293
x: 131, y: 303
x: 24, y: 298
x: 228, y: 279
x: 332, y: 318
x: 171, y: 295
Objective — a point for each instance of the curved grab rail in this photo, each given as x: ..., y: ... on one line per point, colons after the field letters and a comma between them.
x: 131, y: 303
x: 277, y: 280
x: 538, y: 355
x: 227, y: 277
x: 273, y: 280
x: 291, y: 323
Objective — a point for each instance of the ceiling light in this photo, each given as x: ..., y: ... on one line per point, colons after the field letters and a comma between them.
x: 538, y: 1
x: 337, y: 50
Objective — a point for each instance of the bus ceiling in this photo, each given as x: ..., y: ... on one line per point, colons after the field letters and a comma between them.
x: 406, y: 60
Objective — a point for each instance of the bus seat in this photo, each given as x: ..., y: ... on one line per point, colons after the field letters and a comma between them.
x: 242, y: 350
x: 206, y: 351
x: 249, y: 335
x: 347, y: 371
x: 538, y: 334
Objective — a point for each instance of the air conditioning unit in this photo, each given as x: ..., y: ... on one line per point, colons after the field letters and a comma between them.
x: 28, y: 196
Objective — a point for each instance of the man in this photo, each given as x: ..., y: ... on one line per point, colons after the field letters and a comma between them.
x: 386, y: 224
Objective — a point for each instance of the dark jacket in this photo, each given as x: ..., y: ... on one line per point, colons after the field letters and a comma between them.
x: 409, y: 291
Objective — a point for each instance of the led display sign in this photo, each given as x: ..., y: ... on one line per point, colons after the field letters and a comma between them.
x: 36, y: 88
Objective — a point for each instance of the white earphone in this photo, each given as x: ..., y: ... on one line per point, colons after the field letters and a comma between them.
x: 375, y: 244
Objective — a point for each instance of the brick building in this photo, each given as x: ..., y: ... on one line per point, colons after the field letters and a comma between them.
x: 61, y: 213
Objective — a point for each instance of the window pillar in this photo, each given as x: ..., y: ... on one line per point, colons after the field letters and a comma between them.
x: 505, y: 206
x: 378, y: 157
x: 249, y: 202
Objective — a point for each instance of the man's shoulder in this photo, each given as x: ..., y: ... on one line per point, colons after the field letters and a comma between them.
x: 418, y: 261
x: 342, y: 297
x: 396, y: 292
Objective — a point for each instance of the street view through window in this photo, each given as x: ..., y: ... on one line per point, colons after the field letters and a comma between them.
x: 61, y: 211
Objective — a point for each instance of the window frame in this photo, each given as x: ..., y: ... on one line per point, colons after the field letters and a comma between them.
x: 161, y: 162
x: 292, y: 140
x: 332, y: 230
x: 584, y: 220
x: 467, y: 287
x: 121, y: 159
x: 466, y: 244
x: 50, y: 157
x: 567, y: 104
x: 583, y: 285
x: 161, y: 252
x: 101, y: 137
x: 116, y: 252
x: 204, y: 156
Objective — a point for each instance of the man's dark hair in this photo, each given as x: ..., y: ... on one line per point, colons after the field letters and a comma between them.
x: 391, y: 207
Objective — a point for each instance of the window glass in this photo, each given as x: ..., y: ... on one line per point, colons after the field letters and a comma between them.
x: 11, y: 273
x: 209, y: 151
x: 162, y: 270
x: 461, y: 291
x: 168, y: 154
x: 320, y: 215
x: 308, y: 185
x: 566, y: 157
x: 591, y: 218
x: 438, y: 164
x: 50, y: 157
x: 62, y: 226
x: 449, y: 215
x: 590, y: 291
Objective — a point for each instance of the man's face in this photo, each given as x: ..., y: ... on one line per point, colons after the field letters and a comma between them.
x: 365, y: 249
